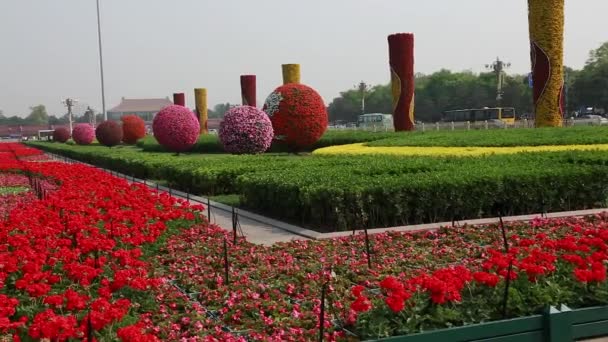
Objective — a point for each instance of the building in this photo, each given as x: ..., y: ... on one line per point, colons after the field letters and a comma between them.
x: 144, y: 108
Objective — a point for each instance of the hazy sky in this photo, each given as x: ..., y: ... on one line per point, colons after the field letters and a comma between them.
x: 152, y: 48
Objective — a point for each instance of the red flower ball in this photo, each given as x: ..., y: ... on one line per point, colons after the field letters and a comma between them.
x: 298, y: 115
x: 176, y: 128
x: 133, y: 129
x: 61, y: 134
x: 109, y: 133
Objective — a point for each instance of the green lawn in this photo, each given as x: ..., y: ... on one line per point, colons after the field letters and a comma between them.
x: 12, y: 190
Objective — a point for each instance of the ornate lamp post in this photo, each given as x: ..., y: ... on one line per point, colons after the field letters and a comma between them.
x: 498, y: 67
x: 363, y: 89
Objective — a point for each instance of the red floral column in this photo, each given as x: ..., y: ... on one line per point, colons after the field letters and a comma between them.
x: 179, y: 99
x: 248, y: 90
x: 401, y: 60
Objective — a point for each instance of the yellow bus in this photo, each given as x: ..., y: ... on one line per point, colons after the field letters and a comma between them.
x: 501, y: 115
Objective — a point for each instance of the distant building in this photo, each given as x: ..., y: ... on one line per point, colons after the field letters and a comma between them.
x: 144, y: 108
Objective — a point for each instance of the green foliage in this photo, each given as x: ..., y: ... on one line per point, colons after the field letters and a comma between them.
x: 12, y: 190
x: 590, y: 86
x: 438, y: 92
x: 209, y: 143
x: 502, y: 137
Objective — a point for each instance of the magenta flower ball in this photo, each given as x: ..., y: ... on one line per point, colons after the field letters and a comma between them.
x: 83, y: 134
x: 176, y: 128
x: 246, y: 130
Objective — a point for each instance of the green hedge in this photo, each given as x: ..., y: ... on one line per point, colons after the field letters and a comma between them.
x: 501, y: 137
x: 341, y: 193
x: 388, y: 191
x: 210, y: 143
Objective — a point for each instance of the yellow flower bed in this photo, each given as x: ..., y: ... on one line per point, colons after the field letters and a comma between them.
x: 360, y: 148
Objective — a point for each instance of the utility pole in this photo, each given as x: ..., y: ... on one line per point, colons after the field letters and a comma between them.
x: 69, y: 103
x: 498, y: 67
x: 103, y: 94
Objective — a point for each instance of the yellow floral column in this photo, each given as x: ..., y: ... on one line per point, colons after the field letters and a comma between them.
x: 200, y: 97
x: 546, y: 21
x: 291, y: 73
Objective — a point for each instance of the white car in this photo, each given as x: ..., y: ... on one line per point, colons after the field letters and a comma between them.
x: 590, y: 120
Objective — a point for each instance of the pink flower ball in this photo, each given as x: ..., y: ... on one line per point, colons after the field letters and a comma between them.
x: 176, y: 128
x: 246, y: 130
x: 83, y: 134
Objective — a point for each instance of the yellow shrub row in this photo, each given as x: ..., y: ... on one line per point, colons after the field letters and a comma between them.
x: 450, y: 151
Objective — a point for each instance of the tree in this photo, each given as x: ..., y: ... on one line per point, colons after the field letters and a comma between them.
x: 436, y: 93
x: 38, y: 115
x: 590, y: 86
x: 218, y: 110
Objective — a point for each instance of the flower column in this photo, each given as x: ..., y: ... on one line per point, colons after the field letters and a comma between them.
x: 401, y: 60
x: 179, y: 99
x: 200, y: 98
x: 248, y: 90
x: 291, y: 73
x: 546, y: 21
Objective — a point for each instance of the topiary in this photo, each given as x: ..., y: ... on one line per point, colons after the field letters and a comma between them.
x: 83, y: 134
x: 133, y: 129
x: 109, y: 133
x: 298, y: 115
x: 246, y: 129
x: 176, y: 128
x: 61, y: 134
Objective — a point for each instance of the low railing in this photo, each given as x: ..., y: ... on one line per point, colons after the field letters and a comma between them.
x: 555, y: 325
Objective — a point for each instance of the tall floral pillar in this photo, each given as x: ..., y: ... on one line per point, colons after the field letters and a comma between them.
x: 401, y: 60
x: 546, y: 21
x: 291, y: 73
x: 179, y: 99
x: 248, y: 90
x: 200, y: 98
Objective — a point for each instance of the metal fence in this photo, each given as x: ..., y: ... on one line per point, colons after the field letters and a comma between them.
x: 210, y: 206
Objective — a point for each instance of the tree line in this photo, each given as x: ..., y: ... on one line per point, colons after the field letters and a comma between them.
x: 447, y: 90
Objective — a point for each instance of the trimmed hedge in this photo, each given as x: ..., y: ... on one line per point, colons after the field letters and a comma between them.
x: 209, y: 143
x: 341, y: 193
x: 583, y: 135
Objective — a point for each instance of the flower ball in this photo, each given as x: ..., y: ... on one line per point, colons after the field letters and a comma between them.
x: 133, y: 129
x: 176, y: 128
x: 297, y: 113
x: 61, y: 134
x: 109, y: 133
x: 246, y: 130
x: 83, y: 134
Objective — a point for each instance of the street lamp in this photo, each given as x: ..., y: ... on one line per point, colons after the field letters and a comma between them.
x: 69, y: 103
x: 103, y: 95
x: 363, y: 88
x: 498, y: 67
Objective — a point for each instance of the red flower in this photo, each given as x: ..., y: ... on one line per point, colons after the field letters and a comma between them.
x: 361, y: 304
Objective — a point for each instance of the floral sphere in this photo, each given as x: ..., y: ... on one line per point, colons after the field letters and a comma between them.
x: 109, y: 133
x: 246, y: 130
x: 61, y: 134
x: 83, y: 134
x: 176, y: 128
x: 133, y: 129
x: 298, y: 115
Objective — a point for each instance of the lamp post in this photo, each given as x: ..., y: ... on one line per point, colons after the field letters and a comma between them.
x: 363, y: 88
x: 69, y: 103
x: 498, y: 67
x: 103, y: 95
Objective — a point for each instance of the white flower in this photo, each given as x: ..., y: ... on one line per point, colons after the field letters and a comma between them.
x: 271, y: 106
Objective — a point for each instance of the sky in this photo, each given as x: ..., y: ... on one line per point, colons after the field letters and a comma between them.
x: 153, y: 48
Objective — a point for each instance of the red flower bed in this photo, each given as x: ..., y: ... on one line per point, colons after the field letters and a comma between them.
x: 71, y: 265
x: 418, y: 281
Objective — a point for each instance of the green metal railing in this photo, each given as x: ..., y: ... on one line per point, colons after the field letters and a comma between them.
x: 555, y: 325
